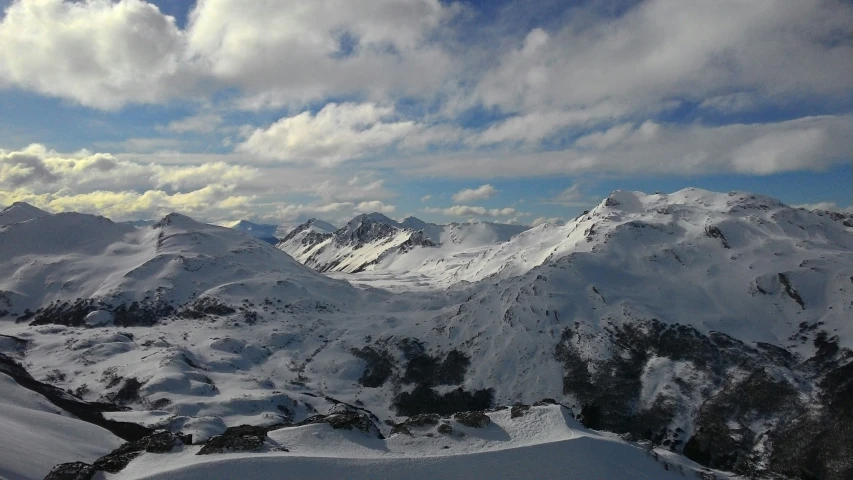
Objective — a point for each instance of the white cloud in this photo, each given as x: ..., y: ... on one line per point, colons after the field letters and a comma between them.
x: 572, y: 196
x: 362, y: 186
x: 337, y: 133
x: 426, y: 198
x: 825, y: 206
x: 536, y: 126
x: 336, y: 211
x: 201, y: 123
x: 605, y: 139
x: 99, y: 53
x: 467, y: 211
x: 540, y: 220
x: 286, y: 51
x: 470, y: 194
x: 122, y: 205
x: 814, y: 143
x: 374, y: 206
x: 77, y: 181
x: 671, y: 49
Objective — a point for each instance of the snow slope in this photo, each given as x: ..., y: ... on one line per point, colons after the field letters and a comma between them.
x: 35, y: 435
x: 544, y: 443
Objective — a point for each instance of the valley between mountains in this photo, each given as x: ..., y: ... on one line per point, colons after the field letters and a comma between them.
x: 693, y: 334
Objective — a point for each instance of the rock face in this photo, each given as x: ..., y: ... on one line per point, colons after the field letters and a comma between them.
x: 343, y: 416
x: 71, y: 471
x: 362, y: 242
x: 118, y: 459
x: 518, y: 410
x: 244, y: 438
x: 160, y: 442
x: 472, y: 419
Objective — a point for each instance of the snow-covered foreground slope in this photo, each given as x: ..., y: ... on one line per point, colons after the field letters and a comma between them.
x: 544, y: 442
x: 35, y: 435
x: 712, y: 324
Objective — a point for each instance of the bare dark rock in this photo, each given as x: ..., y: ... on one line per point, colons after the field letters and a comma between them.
x: 445, y: 429
x: 401, y: 428
x: 204, y: 306
x: 430, y: 371
x: 475, y: 419
x: 715, y: 232
x: 139, y: 314
x: 343, y: 416
x: 379, y: 366
x: 791, y: 291
x: 422, y: 420
x: 426, y: 400
x: 160, y: 442
x: 518, y: 410
x: 71, y: 471
x: 244, y: 438
x: 128, y: 393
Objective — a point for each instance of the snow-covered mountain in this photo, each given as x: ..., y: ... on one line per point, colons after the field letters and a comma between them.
x: 20, y: 212
x: 710, y: 324
x: 374, y: 242
x: 69, y: 258
x: 356, y: 246
x: 260, y: 231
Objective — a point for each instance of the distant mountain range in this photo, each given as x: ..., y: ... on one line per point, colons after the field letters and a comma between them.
x: 374, y: 241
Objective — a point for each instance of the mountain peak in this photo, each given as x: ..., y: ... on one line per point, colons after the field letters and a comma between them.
x: 176, y: 220
x: 413, y: 223
x: 20, y: 212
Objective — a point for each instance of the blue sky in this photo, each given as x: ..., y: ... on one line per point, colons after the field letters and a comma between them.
x: 277, y: 111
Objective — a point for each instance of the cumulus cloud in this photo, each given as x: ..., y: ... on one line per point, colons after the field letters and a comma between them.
x: 121, y: 205
x: 470, y: 194
x: 665, y: 49
x: 284, y: 51
x: 337, y: 133
x: 60, y: 182
x: 41, y: 169
x: 99, y: 53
